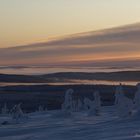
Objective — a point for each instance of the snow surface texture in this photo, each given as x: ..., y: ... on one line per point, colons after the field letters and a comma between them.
x: 79, y: 126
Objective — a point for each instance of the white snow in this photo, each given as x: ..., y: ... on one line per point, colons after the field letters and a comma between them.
x: 78, y: 126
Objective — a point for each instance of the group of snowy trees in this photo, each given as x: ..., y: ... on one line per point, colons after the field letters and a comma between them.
x: 16, y: 112
x: 124, y: 106
x: 70, y: 105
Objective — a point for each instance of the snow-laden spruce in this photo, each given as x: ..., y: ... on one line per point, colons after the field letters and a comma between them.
x: 94, y: 106
x: 124, y: 105
x: 17, y: 113
x: 137, y: 98
x: 67, y: 106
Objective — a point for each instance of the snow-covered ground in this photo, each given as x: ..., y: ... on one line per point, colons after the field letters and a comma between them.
x: 51, y: 125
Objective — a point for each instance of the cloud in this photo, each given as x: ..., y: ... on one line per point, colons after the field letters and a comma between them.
x: 106, y: 43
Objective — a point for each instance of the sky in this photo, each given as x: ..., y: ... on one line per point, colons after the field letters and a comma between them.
x: 31, y: 21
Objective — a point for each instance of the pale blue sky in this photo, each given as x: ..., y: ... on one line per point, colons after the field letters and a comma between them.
x: 29, y: 21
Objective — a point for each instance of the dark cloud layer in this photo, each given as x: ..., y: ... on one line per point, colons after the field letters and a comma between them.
x: 123, y: 40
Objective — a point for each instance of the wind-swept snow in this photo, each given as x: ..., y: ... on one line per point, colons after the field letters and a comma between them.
x: 79, y: 126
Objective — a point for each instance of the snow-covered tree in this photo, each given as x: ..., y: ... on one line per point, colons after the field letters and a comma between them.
x: 67, y: 106
x: 97, y: 102
x: 17, y: 113
x: 5, y: 110
x: 94, y: 106
x: 137, y: 98
x: 123, y: 104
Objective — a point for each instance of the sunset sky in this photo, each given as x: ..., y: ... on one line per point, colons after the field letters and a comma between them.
x: 30, y: 21
x: 68, y: 31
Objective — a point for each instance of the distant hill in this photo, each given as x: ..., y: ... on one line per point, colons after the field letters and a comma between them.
x: 59, y: 77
